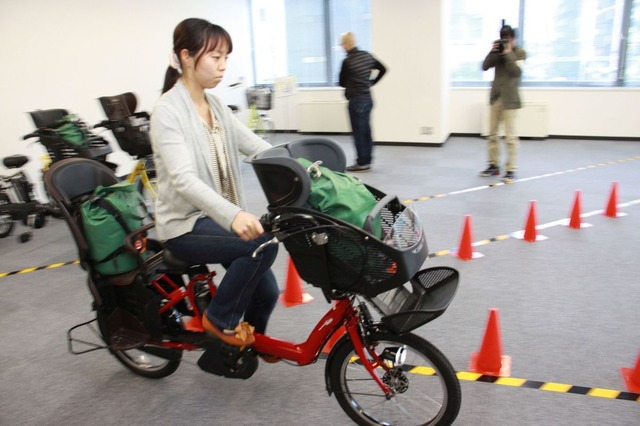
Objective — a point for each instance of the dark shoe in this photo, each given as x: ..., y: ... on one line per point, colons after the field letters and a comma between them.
x: 509, y: 177
x: 228, y: 361
x: 241, y: 336
x: 492, y: 170
x: 357, y: 168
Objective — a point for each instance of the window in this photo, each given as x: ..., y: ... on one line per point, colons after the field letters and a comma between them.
x: 474, y: 26
x: 302, y: 38
x: 632, y: 57
x: 568, y: 43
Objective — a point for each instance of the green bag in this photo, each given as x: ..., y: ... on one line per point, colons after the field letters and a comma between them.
x: 112, y: 213
x: 71, y: 130
x: 340, y: 195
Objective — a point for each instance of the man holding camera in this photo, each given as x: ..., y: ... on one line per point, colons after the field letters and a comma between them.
x: 507, y: 59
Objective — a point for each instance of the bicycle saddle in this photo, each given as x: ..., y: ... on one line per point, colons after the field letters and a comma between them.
x: 174, y: 263
x: 15, y: 161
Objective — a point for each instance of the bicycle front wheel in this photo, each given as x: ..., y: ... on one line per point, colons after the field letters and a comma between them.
x: 425, y: 386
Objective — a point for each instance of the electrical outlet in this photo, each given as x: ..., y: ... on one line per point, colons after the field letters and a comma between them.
x: 426, y: 130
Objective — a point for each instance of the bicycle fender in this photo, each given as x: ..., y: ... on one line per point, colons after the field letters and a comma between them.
x: 344, y: 340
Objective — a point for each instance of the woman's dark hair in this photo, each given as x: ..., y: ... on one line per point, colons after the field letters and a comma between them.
x: 198, y: 36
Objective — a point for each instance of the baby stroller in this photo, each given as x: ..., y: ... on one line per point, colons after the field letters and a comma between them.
x: 52, y: 126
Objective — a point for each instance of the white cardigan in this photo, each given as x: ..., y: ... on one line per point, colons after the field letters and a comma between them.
x: 184, y: 165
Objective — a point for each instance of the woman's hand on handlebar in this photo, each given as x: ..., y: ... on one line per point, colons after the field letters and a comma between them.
x: 247, y: 226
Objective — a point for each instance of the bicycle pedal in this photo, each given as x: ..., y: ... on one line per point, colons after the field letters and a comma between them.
x: 228, y: 361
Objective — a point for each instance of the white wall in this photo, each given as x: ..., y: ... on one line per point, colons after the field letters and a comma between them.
x: 591, y: 112
x: 407, y: 36
x: 67, y: 54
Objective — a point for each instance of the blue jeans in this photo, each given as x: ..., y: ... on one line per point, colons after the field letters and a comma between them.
x: 248, y: 287
x: 360, y: 116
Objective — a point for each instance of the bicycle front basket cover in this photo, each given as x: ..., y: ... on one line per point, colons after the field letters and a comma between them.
x: 406, y: 230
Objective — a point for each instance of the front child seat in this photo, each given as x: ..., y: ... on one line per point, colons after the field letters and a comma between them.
x: 284, y: 181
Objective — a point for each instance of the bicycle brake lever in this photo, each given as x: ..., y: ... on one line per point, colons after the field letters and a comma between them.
x: 262, y: 246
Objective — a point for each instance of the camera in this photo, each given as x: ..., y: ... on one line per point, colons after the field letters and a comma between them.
x: 501, y: 44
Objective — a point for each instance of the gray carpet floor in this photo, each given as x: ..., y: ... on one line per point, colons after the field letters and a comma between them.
x: 568, y: 306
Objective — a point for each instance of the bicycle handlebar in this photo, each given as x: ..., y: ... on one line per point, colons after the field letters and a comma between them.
x: 41, y: 131
x: 30, y: 135
x: 107, y: 124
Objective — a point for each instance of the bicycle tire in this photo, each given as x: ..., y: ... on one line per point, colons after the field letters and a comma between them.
x: 6, y: 219
x: 141, y: 361
x: 427, y: 390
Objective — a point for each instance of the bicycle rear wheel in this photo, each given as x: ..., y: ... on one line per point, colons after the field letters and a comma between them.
x: 154, y: 362
x: 426, y: 389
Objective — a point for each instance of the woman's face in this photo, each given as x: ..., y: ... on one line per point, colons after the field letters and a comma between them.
x: 209, y: 70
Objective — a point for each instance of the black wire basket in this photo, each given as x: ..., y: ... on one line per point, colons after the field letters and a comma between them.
x: 425, y: 298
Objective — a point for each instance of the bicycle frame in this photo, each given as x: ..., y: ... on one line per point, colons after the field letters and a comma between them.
x: 342, y: 313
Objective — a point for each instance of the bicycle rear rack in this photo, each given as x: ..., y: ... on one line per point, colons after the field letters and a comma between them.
x: 124, y: 330
x: 92, y: 346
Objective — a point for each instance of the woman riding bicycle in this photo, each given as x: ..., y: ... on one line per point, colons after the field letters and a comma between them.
x: 200, y: 210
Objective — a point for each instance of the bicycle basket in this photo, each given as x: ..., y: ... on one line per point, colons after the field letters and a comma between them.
x: 338, y: 256
x: 260, y: 97
x: 431, y: 292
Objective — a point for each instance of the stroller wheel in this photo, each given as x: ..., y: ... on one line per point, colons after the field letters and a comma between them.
x: 40, y: 219
x: 6, y: 225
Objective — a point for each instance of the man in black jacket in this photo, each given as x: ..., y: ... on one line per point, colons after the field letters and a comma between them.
x: 356, y: 77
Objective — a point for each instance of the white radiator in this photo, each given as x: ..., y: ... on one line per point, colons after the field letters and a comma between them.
x: 532, y: 120
x: 323, y: 116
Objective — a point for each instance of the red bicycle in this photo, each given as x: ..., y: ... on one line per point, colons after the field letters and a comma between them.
x: 380, y: 372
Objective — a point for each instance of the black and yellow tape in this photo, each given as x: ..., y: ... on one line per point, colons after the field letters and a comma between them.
x: 38, y: 268
x: 524, y: 383
x: 475, y: 244
x: 546, y: 386
x: 534, y: 384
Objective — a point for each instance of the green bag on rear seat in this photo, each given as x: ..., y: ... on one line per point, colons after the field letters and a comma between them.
x: 107, y: 217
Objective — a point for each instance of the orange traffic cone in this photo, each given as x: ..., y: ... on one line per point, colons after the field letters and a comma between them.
x: 333, y: 339
x: 293, y: 294
x: 490, y: 360
x: 612, y: 204
x: 530, y: 233
x: 631, y: 377
x: 465, y: 249
x: 575, y: 221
